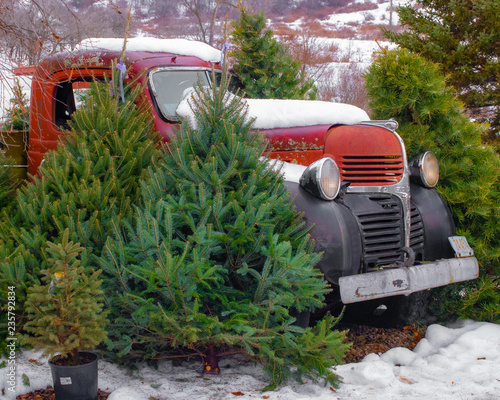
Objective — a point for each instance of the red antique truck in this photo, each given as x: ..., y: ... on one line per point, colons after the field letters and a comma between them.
x: 386, y: 234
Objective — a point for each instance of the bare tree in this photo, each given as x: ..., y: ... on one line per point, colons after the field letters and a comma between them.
x: 32, y: 29
x: 344, y: 83
x: 206, y: 13
x: 308, y: 49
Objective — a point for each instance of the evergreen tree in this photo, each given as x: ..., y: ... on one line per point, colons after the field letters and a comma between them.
x: 412, y: 91
x: 88, y: 186
x: 264, y: 65
x: 65, y: 313
x: 217, y: 258
x: 462, y: 36
x: 8, y: 183
x: 17, y: 116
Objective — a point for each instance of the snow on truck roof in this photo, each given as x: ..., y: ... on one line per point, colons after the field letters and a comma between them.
x: 183, y: 47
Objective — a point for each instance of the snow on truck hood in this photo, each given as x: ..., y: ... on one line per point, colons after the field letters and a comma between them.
x: 182, y: 47
x: 277, y: 113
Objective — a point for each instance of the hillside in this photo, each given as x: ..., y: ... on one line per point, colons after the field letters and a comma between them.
x: 335, y: 39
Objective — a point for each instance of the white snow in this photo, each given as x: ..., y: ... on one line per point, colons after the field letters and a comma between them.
x: 278, y: 113
x: 460, y: 361
x: 182, y: 47
x: 272, y: 113
x: 378, y: 16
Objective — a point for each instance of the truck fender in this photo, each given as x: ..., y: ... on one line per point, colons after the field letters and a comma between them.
x: 334, y: 230
x: 437, y: 221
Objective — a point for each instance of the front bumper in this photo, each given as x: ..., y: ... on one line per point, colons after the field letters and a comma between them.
x: 406, y: 280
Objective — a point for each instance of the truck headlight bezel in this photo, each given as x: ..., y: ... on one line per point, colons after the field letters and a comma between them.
x: 322, y: 179
x: 424, y: 169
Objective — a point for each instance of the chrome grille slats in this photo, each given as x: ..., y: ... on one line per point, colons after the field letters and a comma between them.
x: 379, y: 169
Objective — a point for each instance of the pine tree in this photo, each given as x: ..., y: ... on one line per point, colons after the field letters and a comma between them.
x: 462, y: 37
x: 88, y: 186
x: 65, y: 313
x: 412, y: 91
x: 264, y: 65
x: 217, y: 258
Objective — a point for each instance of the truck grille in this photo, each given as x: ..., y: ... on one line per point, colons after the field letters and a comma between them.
x: 366, y: 155
x: 371, y: 170
x: 417, y: 233
x: 382, y: 231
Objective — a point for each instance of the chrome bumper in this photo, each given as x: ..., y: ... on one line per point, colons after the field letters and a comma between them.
x: 406, y: 280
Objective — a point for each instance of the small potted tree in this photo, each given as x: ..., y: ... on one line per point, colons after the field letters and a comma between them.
x: 65, y: 316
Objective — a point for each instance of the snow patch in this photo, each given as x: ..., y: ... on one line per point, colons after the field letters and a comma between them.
x: 126, y: 393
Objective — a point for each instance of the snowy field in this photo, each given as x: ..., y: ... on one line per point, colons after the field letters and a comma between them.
x: 461, y: 361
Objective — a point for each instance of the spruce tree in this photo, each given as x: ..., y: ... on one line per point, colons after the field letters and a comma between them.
x: 88, y: 186
x: 462, y: 37
x: 216, y: 258
x: 65, y: 313
x: 413, y: 91
x: 264, y: 65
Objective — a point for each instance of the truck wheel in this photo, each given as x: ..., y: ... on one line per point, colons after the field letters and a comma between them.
x: 410, y: 309
x: 391, y: 311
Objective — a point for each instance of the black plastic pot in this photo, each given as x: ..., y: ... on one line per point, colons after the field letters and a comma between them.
x: 75, y: 382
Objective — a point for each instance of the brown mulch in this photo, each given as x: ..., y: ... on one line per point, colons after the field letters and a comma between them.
x: 364, y: 339
x: 48, y: 394
x: 368, y: 339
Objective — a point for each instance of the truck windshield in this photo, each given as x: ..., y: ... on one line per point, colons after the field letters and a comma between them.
x: 170, y: 86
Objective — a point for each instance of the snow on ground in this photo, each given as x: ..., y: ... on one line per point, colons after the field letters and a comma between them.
x: 379, y: 16
x: 460, y: 361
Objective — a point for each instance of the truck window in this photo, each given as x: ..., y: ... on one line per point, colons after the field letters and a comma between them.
x: 64, y: 104
x: 170, y: 86
x: 69, y: 96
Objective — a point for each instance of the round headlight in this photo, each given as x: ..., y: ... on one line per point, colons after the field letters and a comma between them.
x: 425, y: 169
x: 322, y: 179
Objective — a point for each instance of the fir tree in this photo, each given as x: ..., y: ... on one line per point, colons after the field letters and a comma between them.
x: 462, y: 37
x: 264, y: 65
x: 412, y: 91
x: 88, y: 186
x: 217, y: 258
x: 65, y: 313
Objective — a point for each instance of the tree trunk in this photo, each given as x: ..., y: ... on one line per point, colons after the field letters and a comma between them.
x: 211, y: 361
